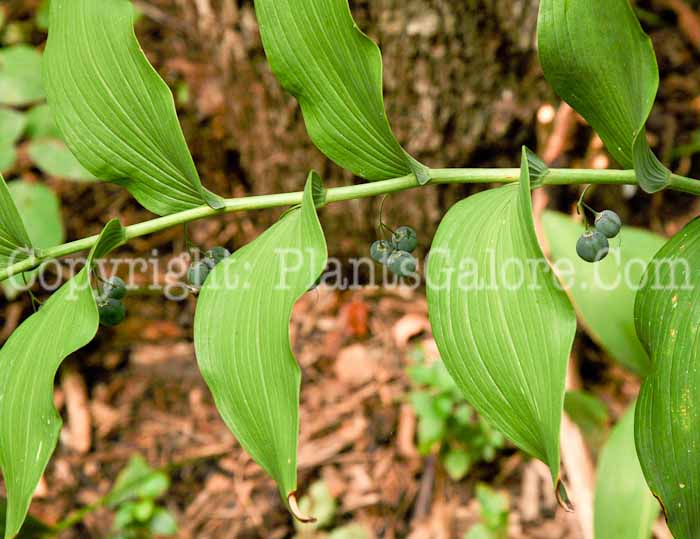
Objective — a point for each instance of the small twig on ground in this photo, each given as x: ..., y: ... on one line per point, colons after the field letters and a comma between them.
x: 425, y: 493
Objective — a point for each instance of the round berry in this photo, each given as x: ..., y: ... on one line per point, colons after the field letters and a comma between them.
x: 592, y: 246
x: 114, y: 288
x: 608, y: 223
x: 405, y: 239
x: 216, y: 255
x: 197, y: 274
x: 381, y: 250
x: 112, y: 312
x: 402, y: 263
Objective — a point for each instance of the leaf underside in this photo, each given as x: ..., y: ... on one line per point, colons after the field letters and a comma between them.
x: 14, y: 240
x: 668, y: 410
x: 242, y: 336
x: 32, y: 528
x: 321, y: 57
x: 624, y: 507
x: 599, y: 60
x: 115, y: 112
x: 505, y: 336
x: 604, y: 293
x: 40, y: 211
x: 29, y: 422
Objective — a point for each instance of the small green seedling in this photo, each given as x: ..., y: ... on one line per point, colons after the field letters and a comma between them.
x: 134, y: 500
x: 494, y: 515
x: 447, y: 425
x: 323, y: 507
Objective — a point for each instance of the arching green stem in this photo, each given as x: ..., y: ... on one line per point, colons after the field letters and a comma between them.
x: 352, y: 192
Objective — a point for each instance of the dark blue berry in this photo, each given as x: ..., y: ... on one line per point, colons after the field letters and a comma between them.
x: 592, y: 246
x: 381, y: 250
x: 216, y: 255
x: 405, y: 239
x: 197, y: 274
x: 114, y: 288
x: 608, y: 223
x: 112, y: 312
x: 402, y: 263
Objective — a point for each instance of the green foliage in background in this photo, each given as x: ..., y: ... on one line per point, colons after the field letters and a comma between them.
x: 134, y: 498
x: 494, y: 515
x: 624, y: 507
x: 40, y: 209
x: 446, y: 424
x: 321, y: 505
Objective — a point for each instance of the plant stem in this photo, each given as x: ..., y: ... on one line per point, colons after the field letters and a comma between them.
x: 352, y: 192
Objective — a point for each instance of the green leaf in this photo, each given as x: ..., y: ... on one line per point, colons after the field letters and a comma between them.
x: 42, y: 15
x: 32, y: 528
x: 163, y: 523
x: 323, y: 59
x: 41, y: 123
x: 590, y: 414
x: 28, y: 364
x: 55, y: 159
x: 40, y: 210
x: 15, y: 244
x: 116, y: 114
x: 538, y: 168
x: 12, y: 124
x: 350, y: 531
x: 457, y: 463
x: 624, y: 508
x: 668, y: 408
x: 603, y: 293
x: 599, y: 60
x: 8, y: 157
x: 503, y: 327
x: 242, y: 336
x: 137, y: 480
x: 20, y: 75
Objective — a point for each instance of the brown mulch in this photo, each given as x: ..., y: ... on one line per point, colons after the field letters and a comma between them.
x: 357, y: 433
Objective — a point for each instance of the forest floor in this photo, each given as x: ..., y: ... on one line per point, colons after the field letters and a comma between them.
x: 137, y: 390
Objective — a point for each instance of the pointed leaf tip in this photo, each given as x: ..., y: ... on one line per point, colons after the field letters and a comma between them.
x: 563, y: 497
x: 296, y: 511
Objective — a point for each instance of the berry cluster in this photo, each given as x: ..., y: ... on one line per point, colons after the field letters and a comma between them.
x: 199, y: 271
x: 593, y: 245
x: 396, y: 253
x: 110, y: 307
